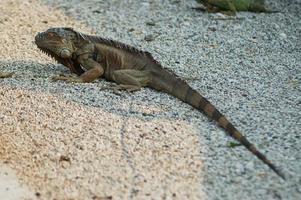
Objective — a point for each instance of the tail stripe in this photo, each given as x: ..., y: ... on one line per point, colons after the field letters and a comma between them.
x: 248, y: 144
x: 180, y: 89
x: 209, y: 109
x: 216, y: 115
x: 223, y: 122
x: 190, y: 92
x: 203, y: 102
x: 230, y: 129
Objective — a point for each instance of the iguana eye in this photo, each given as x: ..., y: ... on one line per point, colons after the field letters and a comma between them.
x: 50, y: 34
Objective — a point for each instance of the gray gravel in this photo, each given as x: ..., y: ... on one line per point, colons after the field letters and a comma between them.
x: 249, y: 68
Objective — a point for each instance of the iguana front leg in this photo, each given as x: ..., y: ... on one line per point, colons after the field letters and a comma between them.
x: 130, y: 80
x: 94, y: 71
x: 6, y: 74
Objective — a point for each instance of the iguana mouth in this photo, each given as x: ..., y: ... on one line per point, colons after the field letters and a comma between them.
x: 53, y: 55
x: 38, y: 36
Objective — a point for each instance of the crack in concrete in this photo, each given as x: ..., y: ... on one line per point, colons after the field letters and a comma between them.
x: 125, y: 152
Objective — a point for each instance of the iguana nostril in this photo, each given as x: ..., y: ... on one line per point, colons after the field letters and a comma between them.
x: 38, y: 36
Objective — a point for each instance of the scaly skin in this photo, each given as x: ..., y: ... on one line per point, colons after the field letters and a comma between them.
x: 232, y: 6
x: 93, y: 57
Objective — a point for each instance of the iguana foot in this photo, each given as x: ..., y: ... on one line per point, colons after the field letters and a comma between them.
x: 68, y: 79
x: 6, y: 74
x: 128, y: 88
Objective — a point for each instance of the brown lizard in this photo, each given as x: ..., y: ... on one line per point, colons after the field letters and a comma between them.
x: 92, y: 57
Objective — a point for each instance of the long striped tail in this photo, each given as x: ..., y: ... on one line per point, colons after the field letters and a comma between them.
x: 168, y: 82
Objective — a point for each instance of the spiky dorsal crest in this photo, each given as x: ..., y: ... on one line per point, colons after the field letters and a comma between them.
x: 115, y: 44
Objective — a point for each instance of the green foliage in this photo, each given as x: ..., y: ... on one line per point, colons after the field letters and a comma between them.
x: 233, y: 144
x: 234, y: 6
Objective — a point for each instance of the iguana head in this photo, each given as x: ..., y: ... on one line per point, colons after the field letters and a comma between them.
x: 60, y: 44
x: 57, y: 42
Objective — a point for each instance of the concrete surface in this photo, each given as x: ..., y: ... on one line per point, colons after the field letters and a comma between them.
x: 75, y: 141
x: 10, y: 188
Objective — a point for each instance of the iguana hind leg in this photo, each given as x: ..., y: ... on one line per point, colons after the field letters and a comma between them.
x: 130, y: 79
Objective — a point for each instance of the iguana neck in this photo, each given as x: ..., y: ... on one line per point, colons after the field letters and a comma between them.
x: 80, y: 47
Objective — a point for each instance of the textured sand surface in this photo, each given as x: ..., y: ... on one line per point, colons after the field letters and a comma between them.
x: 75, y: 141
x: 64, y: 150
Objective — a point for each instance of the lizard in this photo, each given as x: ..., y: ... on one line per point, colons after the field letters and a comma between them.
x: 91, y: 57
x: 230, y: 7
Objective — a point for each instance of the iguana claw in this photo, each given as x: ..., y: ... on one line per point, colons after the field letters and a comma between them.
x: 68, y: 79
x: 6, y: 74
x: 117, y: 88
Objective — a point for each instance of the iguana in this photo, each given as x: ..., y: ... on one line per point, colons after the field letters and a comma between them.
x: 232, y: 6
x: 93, y: 57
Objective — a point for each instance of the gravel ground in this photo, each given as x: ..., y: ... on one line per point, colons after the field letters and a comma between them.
x: 75, y: 141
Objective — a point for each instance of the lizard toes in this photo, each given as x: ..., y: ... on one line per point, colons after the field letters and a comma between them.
x: 6, y: 74
x: 59, y: 78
